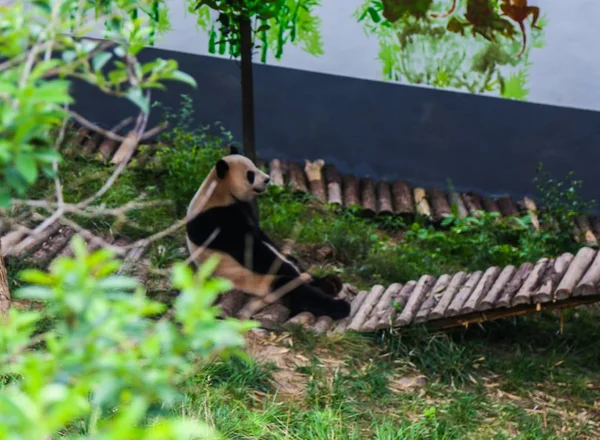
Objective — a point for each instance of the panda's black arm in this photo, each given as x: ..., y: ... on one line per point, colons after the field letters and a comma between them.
x: 261, y: 235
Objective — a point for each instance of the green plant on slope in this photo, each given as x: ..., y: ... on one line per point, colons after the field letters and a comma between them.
x: 34, y: 85
x: 109, y: 365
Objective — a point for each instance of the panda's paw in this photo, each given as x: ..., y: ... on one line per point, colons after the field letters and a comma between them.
x: 330, y: 284
x: 340, y: 309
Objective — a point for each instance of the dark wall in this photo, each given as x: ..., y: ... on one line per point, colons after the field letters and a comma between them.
x: 425, y: 136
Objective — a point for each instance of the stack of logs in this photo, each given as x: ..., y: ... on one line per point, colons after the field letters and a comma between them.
x: 398, y: 198
x: 444, y: 301
x: 373, y: 197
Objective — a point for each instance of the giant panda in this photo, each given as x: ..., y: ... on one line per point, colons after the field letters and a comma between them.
x: 246, y: 254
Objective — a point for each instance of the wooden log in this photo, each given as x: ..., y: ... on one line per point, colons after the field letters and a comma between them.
x: 483, y: 287
x: 432, y: 299
x: 415, y: 300
x: 577, y: 234
x: 530, y: 285
x: 384, y: 199
x: 531, y: 210
x: 82, y: 135
x: 595, y: 224
x: 303, y: 319
x: 589, y: 282
x: 489, y: 205
x: 365, y: 308
x: 5, y: 299
x: 457, y: 200
x: 574, y: 273
x: 132, y: 258
x: 384, y: 303
x: 231, y: 303
x: 439, y: 204
x: 334, y: 184
x: 367, y: 196
x: 398, y: 302
x: 126, y: 149
x: 8, y: 241
x: 421, y: 203
x: 473, y: 203
x: 586, y: 230
x: 107, y: 148
x: 297, y: 179
x: 463, y: 294
x: 272, y: 316
x: 402, y: 197
x: 276, y: 173
x: 507, y: 207
x: 350, y: 191
x: 142, y: 271
x: 555, y: 270
x: 507, y: 295
x: 31, y: 243
x: 56, y: 243
x: 342, y: 324
x: 489, y: 300
x: 314, y: 175
x: 446, y: 298
x: 323, y: 324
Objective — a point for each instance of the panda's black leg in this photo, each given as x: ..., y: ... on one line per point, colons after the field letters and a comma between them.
x: 307, y: 298
x: 330, y: 284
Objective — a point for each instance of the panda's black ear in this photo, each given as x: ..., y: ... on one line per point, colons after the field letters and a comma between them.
x: 222, y: 168
x: 233, y: 150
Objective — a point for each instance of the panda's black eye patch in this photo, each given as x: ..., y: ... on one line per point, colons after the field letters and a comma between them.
x: 250, y: 176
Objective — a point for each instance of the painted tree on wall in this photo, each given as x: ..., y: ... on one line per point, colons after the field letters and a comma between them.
x: 479, y: 46
x: 238, y: 27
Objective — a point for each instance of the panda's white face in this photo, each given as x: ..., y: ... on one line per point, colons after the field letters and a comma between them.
x: 241, y: 176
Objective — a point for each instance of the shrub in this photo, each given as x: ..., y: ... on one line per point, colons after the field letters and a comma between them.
x: 108, y: 364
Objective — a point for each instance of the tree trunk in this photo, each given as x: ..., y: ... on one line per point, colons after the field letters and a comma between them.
x: 4, y: 291
x: 247, y: 93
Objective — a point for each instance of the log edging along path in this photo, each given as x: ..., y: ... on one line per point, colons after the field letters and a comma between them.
x: 371, y: 196
x: 446, y: 301
x: 449, y: 300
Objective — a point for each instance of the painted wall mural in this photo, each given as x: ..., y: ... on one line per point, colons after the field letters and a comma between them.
x: 541, y: 51
x: 479, y: 46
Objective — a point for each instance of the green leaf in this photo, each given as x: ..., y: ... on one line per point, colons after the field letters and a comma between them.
x: 69, y: 56
x: 212, y: 41
x: 54, y: 92
x: 34, y: 292
x: 79, y: 246
x: 100, y: 60
x: 26, y: 166
x: 47, y: 155
x: 178, y: 75
x: 5, y: 198
x: 118, y: 282
x: 136, y: 96
x: 374, y: 15
x: 35, y: 276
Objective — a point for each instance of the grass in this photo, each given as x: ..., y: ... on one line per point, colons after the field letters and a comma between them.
x: 515, y: 378
x: 495, y: 384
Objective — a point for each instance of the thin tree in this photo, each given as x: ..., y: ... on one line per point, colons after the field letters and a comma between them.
x: 268, y: 25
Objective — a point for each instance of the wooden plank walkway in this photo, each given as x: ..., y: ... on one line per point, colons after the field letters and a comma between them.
x: 374, y: 197
x: 446, y: 301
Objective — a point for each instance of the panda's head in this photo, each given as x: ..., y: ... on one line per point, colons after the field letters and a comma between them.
x: 242, y: 178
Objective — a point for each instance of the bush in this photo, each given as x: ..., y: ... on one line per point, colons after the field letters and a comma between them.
x: 109, y: 363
